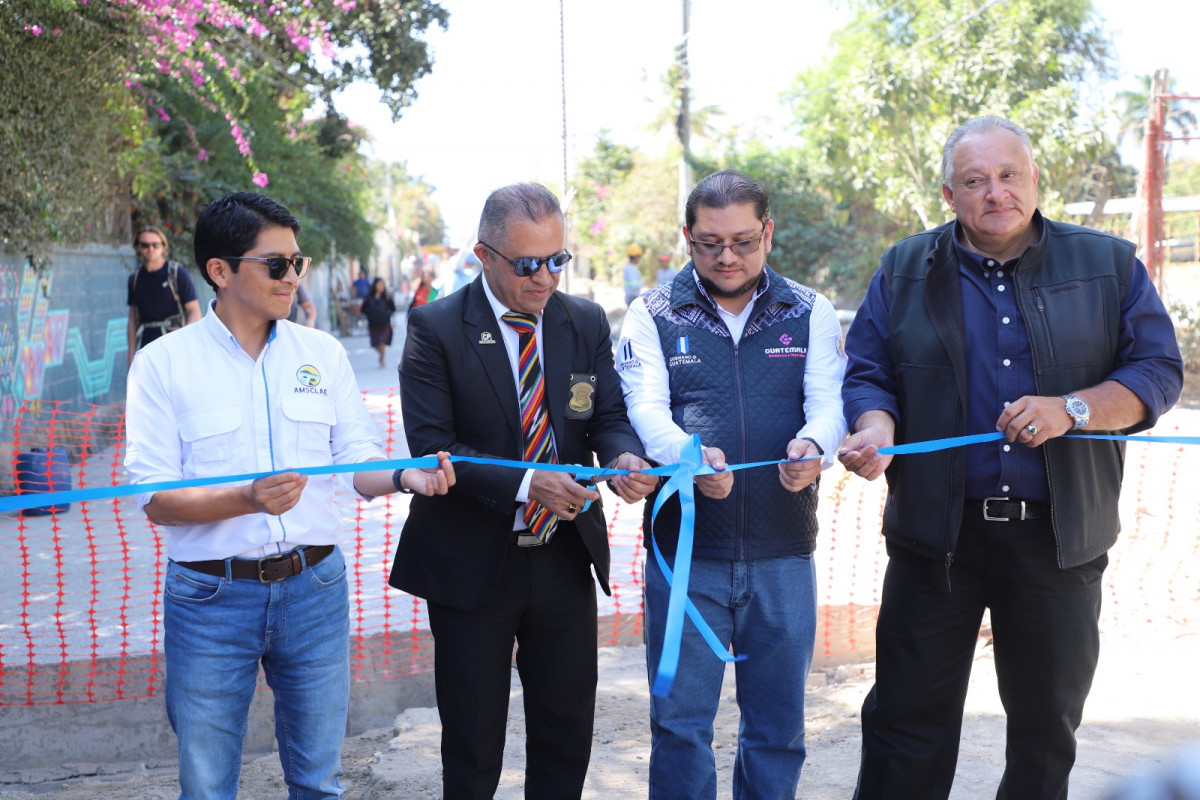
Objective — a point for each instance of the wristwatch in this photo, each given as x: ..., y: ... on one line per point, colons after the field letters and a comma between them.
x: 1078, y: 410
x: 396, y: 482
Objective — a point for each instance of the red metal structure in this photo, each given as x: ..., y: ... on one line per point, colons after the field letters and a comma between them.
x: 1152, y: 176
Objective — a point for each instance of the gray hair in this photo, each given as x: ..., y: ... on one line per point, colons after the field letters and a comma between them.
x: 724, y: 189
x: 984, y: 124
x: 530, y: 201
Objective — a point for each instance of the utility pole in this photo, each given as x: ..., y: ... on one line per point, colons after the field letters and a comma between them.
x: 683, y: 124
x: 1151, y: 232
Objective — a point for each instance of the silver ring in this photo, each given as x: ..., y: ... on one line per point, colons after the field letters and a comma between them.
x: 571, y: 509
x: 1032, y: 430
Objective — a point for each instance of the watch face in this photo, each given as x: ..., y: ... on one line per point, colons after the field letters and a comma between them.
x: 1078, y: 410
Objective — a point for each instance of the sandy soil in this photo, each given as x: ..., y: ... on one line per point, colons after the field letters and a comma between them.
x: 1143, y: 707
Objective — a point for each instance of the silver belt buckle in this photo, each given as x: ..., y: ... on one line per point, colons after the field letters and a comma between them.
x: 527, y: 539
x: 988, y: 517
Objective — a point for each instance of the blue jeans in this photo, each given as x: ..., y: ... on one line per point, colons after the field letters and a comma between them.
x: 217, y: 631
x: 767, y: 609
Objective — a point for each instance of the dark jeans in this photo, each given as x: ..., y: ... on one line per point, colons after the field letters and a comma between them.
x: 1046, y: 644
x: 546, y: 603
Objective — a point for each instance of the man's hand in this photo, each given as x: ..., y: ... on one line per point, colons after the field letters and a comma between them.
x: 1032, y: 420
x: 558, y: 492
x: 794, y: 474
x: 718, y: 485
x: 858, y: 453
x: 276, y: 494
x: 634, y: 486
x: 430, y: 480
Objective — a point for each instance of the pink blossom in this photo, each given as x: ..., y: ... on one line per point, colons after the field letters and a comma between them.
x: 260, y: 179
x: 36, y: 30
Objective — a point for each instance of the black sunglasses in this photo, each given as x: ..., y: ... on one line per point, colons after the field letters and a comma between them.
x: 277, y: 266
x: 524, y: 267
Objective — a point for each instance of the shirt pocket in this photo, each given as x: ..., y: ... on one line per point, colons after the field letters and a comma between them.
x: 208, y: 434
x: 307, y: 427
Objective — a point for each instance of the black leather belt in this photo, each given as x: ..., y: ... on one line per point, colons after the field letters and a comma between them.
x: 1006, y: 509
x: 265, y: 570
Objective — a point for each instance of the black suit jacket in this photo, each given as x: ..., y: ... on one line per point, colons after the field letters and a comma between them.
x: 458, y: 394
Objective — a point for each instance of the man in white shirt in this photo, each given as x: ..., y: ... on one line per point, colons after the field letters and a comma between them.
x: 255, y: 574
x: 752, y: 362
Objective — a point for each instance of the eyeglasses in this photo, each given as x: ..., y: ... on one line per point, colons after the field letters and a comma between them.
x: 524, y: 267
x: 148, y: 245
x: 743, y: 248
x: 277, y: 266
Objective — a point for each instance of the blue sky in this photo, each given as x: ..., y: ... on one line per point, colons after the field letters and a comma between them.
x: 490, y: 113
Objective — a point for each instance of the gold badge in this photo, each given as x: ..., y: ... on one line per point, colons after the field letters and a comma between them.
x: 581, y: 397
x: 582, y: 390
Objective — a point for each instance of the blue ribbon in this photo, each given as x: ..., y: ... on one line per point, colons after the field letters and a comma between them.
x: 680, y: 481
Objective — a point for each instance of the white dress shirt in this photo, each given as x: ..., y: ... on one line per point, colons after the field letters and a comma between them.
x: 199, y: 406
x: 646, y: 383
x: 512, y: 346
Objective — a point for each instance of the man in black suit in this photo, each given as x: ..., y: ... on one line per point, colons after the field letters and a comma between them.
x: 506, y: 555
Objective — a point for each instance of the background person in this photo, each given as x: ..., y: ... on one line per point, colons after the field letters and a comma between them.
x: 632, y: 274
x: 378, y: 308
x: 161, y: 296
x: 1064, y: 332
x: 665, y: 273
x: 752, y: 362
x: 254, y: 573
x: 302, y: 304
x: 511, y: 368
x: 425, y: 291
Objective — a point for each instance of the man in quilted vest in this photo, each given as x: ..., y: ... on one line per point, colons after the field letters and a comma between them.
x: 751, y: 362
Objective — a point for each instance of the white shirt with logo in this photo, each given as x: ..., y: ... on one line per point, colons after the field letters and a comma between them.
x: 199, y: 406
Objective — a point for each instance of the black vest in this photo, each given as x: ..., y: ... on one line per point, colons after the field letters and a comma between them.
x: 1069, y: 285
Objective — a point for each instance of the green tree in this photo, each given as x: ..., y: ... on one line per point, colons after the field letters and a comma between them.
x: 1134, y: 108
x: 314, y: 164
x: 904, y: 75
x: 403, y: 208
x: 86, y: 86
x: 69, y: 129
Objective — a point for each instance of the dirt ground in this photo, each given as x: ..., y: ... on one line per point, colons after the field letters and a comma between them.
x: 1143, y: 708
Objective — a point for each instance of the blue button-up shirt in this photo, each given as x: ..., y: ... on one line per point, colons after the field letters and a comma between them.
x: 999, y: 370
x: 1000, y: 367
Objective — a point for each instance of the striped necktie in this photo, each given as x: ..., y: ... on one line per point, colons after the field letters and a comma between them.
x: 535, y: 423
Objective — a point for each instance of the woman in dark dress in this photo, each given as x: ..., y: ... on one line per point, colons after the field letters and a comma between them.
x: 378, y: 308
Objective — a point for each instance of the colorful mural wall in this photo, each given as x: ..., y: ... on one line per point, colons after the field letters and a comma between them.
x: 63, y: 328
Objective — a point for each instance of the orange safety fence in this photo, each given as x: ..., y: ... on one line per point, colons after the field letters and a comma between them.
x: 81, y: 617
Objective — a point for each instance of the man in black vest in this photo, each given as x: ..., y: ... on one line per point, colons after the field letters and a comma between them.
x: 752, y: 362
x: 1065, y: 333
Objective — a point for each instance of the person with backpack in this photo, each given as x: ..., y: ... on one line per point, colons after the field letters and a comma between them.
x: 161, y: 295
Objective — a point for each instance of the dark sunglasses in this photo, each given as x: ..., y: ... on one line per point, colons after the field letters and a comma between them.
x: 524, y: 267
x: 277, y: 266
x: 149, y: 245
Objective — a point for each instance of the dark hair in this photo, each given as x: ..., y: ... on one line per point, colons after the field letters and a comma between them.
x: 724, y: 189
x: 530, y: 201
x: 229, y: 227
